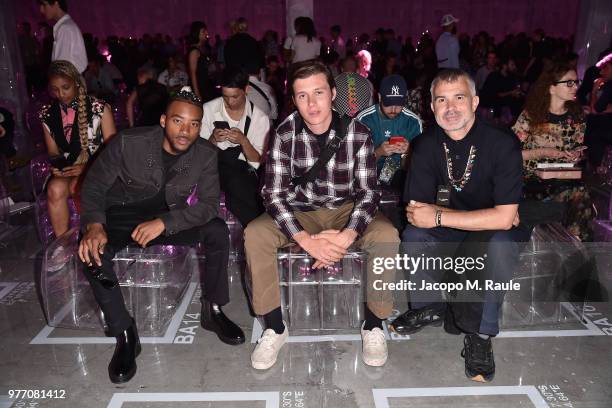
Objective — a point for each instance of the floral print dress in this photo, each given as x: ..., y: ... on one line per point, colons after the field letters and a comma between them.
x: 563, y: 132
x: 62, y: 124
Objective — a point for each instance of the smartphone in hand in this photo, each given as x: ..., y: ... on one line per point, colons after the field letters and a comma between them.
x: 221, y: 124
x: 59, y: 162
x: 397, y: 140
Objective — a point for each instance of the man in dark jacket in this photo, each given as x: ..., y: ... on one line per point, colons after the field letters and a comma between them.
x: 136, y: 191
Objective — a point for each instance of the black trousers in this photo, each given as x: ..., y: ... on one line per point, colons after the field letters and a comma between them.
x: 214, y: 235
x: 240, y: 184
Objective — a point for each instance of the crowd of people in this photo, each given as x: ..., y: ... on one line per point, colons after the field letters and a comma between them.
x: 457, y: 127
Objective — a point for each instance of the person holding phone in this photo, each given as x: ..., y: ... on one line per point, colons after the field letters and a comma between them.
x: 393, y: 126
x: 239, y: 130
x: 75, y: 125
x: 551, y: 130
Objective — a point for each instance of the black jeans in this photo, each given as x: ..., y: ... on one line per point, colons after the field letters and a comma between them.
x: 240, y: 184
x: 214, y: 235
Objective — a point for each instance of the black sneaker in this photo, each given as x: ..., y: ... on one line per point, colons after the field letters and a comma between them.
x: 411, y: 321
x: 478, y: 355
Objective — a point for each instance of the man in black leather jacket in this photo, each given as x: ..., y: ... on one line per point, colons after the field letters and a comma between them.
x: 136, y: 191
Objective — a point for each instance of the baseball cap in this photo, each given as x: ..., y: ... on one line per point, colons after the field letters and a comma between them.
x: 448, y: 19
x: 393, y: 90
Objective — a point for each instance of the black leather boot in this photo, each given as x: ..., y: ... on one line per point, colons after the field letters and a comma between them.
x: 213, y: 319
x: 123, y: 364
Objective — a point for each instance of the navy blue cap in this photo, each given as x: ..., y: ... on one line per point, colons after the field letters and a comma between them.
x: 393, y: 90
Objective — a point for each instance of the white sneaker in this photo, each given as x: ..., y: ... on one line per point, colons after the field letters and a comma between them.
x: 265, y: 353
x: 374, y: 347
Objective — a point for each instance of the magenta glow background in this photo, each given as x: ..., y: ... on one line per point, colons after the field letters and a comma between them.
x: 406, y: 17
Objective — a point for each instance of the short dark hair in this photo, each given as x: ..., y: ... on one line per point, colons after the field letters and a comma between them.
x: 234, y: 77
x: 308, y: 68
x: 63, y: 4
x: 186, y: 96
x: 336, y: 28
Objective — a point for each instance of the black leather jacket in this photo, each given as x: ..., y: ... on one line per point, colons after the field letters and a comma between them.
x: 130, y: 169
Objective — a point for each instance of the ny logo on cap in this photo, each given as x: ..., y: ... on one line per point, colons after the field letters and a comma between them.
x: 395, y: 90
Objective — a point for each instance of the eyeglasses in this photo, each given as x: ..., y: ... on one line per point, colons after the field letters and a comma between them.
x: 569, y: 83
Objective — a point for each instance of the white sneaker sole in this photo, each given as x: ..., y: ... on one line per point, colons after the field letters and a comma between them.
x: 376, y: 362
x: 263, y: 366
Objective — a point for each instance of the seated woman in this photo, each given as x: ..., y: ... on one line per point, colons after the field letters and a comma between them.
x: 74, y: 125
x: 551, y: 129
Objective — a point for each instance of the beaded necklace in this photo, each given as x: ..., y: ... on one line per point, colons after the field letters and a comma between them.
x: 459, y: 184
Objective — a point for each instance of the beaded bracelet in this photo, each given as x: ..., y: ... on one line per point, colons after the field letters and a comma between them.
x: 438, y: 218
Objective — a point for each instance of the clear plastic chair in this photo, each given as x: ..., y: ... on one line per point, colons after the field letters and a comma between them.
x: 546, y: 266
x: 324, y: 299
x: 602, y: 230
x: 153, y: 282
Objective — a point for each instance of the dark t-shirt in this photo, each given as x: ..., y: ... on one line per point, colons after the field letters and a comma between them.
x: 495, y: 84
x: 322, y: 139
x: 497, y: 174
x: 244, y: 51
x: 152, y: 101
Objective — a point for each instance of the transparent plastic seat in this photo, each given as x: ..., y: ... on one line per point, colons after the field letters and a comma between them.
x: 153, y: 282
x: 602, y: 230
x: 542, y: 273
x: 324, y: 299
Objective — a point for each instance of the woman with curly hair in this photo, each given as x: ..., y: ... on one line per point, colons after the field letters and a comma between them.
x: 75, y: 125
x: 551, y: 129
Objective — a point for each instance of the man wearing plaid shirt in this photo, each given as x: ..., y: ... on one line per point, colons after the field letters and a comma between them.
x: 324, y: 217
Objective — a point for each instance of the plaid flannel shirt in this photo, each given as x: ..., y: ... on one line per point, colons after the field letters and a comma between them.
x: 349, y: 176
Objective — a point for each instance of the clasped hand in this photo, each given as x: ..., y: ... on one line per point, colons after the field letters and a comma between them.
x: 328, y: 246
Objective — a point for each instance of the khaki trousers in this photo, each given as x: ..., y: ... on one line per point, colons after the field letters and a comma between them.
x: 262, y: 238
